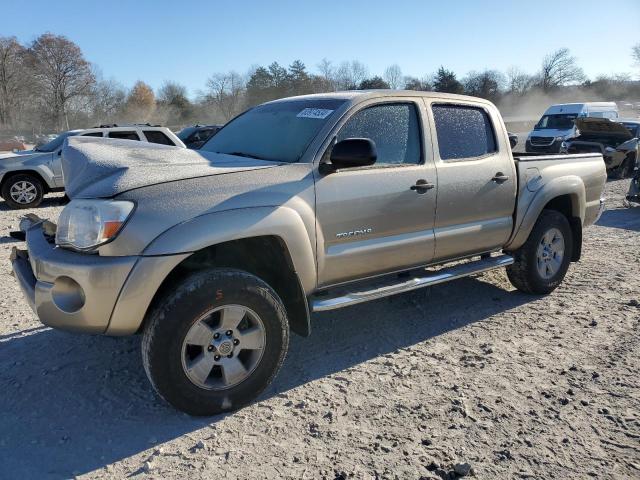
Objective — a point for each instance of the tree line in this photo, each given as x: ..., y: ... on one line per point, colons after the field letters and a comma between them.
x: 49, y: 85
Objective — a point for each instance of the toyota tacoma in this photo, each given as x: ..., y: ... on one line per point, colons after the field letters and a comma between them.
x: 299, y: 205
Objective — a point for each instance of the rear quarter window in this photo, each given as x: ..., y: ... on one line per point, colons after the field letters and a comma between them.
x: 124, y: 135
x: 156, y: 136
x: 463, y: 132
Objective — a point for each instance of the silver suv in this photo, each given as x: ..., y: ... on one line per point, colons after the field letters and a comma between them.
x: 26, y: 176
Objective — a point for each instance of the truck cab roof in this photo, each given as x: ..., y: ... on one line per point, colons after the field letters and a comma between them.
x: 362, y: 95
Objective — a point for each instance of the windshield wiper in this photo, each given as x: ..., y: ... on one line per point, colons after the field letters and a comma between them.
x: 243, y: 154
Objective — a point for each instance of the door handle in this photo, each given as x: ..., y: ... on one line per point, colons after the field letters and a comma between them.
x: 422, y: 186
x: 500, y: 178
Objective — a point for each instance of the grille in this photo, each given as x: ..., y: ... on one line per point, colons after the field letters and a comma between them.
x: 542, y: 140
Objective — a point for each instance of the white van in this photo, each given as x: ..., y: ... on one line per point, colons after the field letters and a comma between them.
x: 558, y: 124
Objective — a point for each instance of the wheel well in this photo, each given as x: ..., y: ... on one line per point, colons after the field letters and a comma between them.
x: 45, y: 186
x: 564, y: 205
x: 265, y: 257
x: 631, y: 157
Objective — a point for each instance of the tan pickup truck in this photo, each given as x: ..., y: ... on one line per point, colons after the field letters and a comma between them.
x: 299, y: 205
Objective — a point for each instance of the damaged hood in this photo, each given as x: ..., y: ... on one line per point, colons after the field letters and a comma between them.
x: 602, y: 127
x: 98, y: 167
x: 22, y: 154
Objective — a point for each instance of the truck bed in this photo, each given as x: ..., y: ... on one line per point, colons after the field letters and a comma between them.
x: 582, y: 174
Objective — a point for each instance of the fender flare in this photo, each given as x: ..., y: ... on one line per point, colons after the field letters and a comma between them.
x: 228, y: 225
x: 571, y: 185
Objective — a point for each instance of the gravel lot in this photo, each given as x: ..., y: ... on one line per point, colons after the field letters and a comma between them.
x: 470, y: 372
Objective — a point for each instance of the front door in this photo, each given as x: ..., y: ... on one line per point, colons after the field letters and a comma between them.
x: 369, y: 220
x: 476, y: 178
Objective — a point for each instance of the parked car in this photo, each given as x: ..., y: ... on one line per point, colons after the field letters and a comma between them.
x: 304, y: 204
x: 197, y: 135
x: 11, y: 145
x: 25, y: 177
x: 558, y: 124
x: 616, y: 141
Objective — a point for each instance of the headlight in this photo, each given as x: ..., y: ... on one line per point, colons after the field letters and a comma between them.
x: 559, y: 139
x: 86, y: 224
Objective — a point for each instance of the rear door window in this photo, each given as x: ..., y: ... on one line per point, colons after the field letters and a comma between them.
x: 463, y: 132
x: 156, y: 136
x: 124, y: 135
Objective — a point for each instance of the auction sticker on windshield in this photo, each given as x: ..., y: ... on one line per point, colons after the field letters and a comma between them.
x: 315, y: 113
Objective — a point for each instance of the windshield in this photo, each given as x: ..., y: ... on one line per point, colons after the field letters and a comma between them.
x: 561, y: 121
x: 185, y: 132
x: 633, y: 129
x: 56, y: 143
x: 279, y: 131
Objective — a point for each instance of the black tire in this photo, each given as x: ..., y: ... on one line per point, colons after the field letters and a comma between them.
x: 30, y: 180
x: 523, y: 273
x: 169, y: 322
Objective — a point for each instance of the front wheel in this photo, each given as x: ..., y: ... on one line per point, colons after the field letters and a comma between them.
x: 22, y: 191
x: 542, y: 262
x: 216, y: 342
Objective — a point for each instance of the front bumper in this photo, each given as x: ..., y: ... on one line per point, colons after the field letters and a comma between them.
x: 86, y: 293
x: 68, y: 290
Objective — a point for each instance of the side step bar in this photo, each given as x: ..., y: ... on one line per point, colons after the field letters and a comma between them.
x: 431, y: 278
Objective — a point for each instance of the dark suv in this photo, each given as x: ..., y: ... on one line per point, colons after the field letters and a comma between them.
x: 197, y: 135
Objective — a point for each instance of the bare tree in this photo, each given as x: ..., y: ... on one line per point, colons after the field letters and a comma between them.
x: 635, y: 54
x: 518, y: 82
x: 418, y: 84
x: 487, y: 84
x: 327, y: 73
x: 174, y: 103
x: 108, y: 99
x: 225, y: 91
x: 393, y: 76
x: 559, y: 69
x: 12, y: 78
x: 350, y: 74
x: 61, y: 72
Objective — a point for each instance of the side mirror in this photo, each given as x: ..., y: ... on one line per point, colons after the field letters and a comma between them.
x: 353, y: 152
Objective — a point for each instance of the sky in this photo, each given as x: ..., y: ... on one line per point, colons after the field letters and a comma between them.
x: 189, y: 41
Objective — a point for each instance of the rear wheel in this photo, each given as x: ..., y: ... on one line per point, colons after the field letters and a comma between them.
x: 542, y: 262
x: 22, y: 191
x: 216, y: 342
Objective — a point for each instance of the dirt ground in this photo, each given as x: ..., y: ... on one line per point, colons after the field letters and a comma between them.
x: 516, y: 386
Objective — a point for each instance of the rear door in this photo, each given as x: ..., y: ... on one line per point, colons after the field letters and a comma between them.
x: 476, y: 179
x: 369, y: 220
